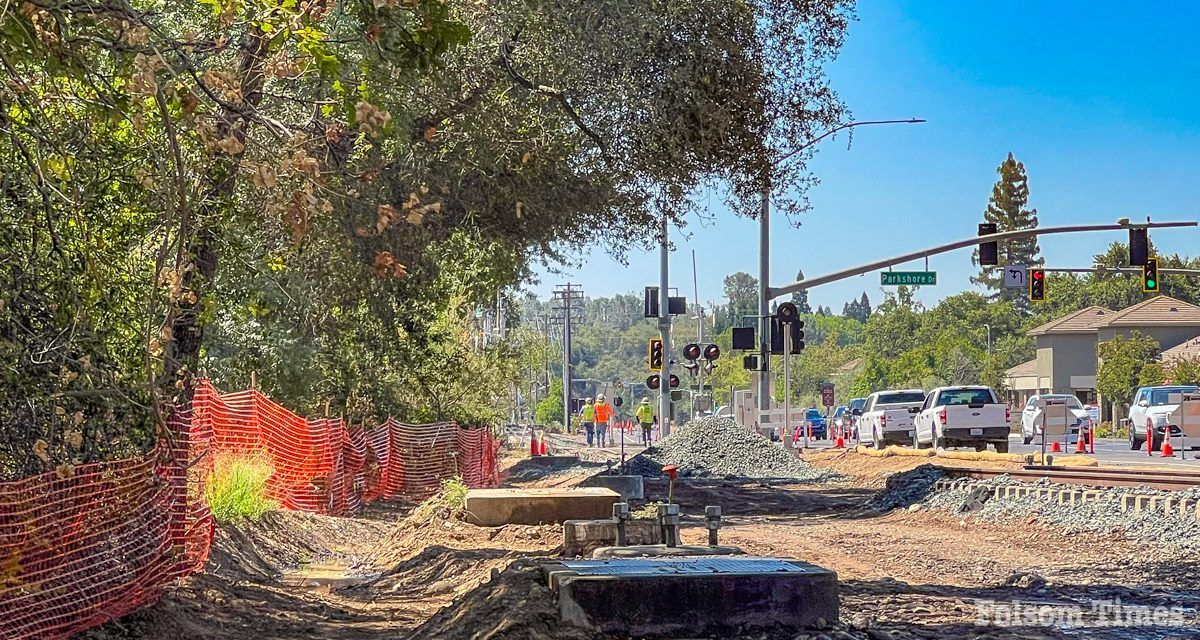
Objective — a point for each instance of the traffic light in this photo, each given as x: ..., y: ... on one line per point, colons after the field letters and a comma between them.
x: 674, y: 381
x: 988, y: 251
x: 1150, y: 281
x: 777, y: 328
x: 1037, y: 285
x: 750, y: 363
x: 655, y: 354
x: 653, y: 382
x: 1139, y: 247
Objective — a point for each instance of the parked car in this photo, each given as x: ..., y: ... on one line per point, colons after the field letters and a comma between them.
x: 1153, y: 414
x: 888, y: 416
x: 856, y: 406
x: 1033, y: 417
x: 816, y: 421
x: 962, y: 416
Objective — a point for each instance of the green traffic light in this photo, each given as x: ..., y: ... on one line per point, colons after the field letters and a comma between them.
x: 1150, y: 283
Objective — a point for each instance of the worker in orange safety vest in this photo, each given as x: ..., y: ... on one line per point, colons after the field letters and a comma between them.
x: 604, y: 416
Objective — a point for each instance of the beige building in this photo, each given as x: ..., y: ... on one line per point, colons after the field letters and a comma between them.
x: 1066, y: 347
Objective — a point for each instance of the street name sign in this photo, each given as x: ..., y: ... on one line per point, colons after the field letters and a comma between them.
x: 894, y: 278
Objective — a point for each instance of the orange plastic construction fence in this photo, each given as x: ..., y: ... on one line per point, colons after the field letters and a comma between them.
x: 104, y: 540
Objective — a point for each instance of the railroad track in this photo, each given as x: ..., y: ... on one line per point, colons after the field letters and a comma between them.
x: 1166, y: 479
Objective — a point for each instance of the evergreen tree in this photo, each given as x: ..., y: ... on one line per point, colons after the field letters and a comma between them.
x: 859, y: 309
x: 865, y: 304
x: 800, y: 298
x: 1007, y: 210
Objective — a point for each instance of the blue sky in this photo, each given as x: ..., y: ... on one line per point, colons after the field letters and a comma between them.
x: 1098, y: 99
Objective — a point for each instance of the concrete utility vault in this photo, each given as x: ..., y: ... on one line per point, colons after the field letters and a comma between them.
x: 494, y: 507
x: 692, y: 595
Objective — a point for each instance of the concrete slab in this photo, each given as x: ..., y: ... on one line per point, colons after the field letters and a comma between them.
x: 494, y: 507
x: 692, y: 596
x: 630, y: 487
x: 582, y: 537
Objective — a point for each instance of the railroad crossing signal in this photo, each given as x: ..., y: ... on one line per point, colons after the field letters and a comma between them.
x: 1037, y: 285
x: 654, y: 382
x: 655, y: 354
x: 1150, y: 281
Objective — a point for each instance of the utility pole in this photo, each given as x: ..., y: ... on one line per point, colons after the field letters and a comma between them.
x: 567, y: 295
x: 664, y: 330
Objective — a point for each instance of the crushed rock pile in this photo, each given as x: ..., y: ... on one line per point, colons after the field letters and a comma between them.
x: 906, y: 488
x: 720, y: 448
x: 975, y: 499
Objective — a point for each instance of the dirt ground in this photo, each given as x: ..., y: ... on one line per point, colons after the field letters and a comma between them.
x: 904, y: 574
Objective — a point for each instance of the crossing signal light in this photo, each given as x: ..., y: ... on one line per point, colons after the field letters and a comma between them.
x: 712, y: 352
x: 1037, y: 285
x: 778, y: 327
x: 1150, y: 282
x: 989, y: 254
x: 654, y: 382
x: 1139, y: 247
x: 691, y: 351
x: 655, y: 354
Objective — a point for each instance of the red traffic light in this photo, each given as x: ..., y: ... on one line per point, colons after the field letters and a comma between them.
x: 652, y: 382
x: 691, y: 351
x: 674, y: 381
x: 712, y: 352
x: 1038, y: 274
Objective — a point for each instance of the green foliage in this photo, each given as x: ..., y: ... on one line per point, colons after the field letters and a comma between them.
x: 1125, y: 364
x: 549, y: 410
x: 1186, y: 371
x: 237, y: 488
x: 449, y: 503
x: 1007, y: 210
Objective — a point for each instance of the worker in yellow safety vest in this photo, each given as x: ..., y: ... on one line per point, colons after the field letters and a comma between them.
x: 645, y: 417
x: 587, y: 415
x: 604, y: 415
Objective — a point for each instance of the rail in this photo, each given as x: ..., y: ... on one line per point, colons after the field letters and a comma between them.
x: 1165, y: 479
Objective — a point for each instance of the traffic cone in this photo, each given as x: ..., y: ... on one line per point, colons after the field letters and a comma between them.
x: 533, y: 446
x: 841, y: 442
x: 1054, y: 448
x: 542, y: 450
x: 1167, y: 450
x: 1080, y: 447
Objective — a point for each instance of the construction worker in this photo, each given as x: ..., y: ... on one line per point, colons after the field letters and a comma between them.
x: 645, y: 417
x: 587, y: 415
x: 604, y: 415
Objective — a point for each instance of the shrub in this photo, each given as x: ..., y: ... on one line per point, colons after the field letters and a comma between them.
x: 1109, y: 430
x: 237, y: 488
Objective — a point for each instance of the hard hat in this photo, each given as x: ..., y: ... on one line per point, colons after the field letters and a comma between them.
x: 645, y: 400
x: 587, y: 399
x: 600, y: 398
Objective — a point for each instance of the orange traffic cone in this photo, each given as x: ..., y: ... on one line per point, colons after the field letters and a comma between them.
x: 1167, y: 450
x: 533, y: 446
x: 1054, y: 448
x: 841, y: 442
x: 543, y: 447
x: 1080, y: 447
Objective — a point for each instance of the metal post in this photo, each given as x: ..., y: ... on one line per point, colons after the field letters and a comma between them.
x: 567, y: 360
x: 764, y: 308
x: 664, y: 332
x: 787, y: 382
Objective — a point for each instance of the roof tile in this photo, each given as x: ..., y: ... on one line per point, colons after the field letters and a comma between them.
x: 1156, y: 311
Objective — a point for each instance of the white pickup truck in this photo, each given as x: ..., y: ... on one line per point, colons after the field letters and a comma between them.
x: 962, y: 416
x: 888, y: 416
x: 1155, y: 411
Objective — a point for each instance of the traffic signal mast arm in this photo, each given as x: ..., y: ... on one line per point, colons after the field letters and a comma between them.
x: 808, y: 283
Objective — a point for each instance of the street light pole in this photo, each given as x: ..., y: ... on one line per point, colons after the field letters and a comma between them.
x: 989, y: 338
x: 764, y: 266
x: 664, y: 332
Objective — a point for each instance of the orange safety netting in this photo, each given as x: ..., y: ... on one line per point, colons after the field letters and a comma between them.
x: 101, y: 542
x: 77, y: 551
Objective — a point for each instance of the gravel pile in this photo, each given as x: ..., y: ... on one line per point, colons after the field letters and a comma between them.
x: 1102, y: 516
x: 906, y: 488
x: 718, y: 448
